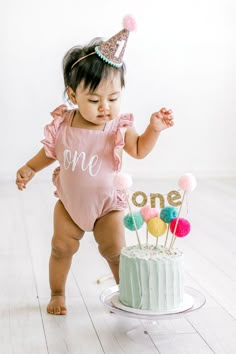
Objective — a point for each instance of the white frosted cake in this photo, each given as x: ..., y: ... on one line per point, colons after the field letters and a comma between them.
x: 151, y: 278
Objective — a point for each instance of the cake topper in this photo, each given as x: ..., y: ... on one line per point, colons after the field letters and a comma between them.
x: 132, y: 221
x: 157, y: 228
x: 158, y: 223
x: 167, y: 215
x: 187, y: 183
x: 148, y: 213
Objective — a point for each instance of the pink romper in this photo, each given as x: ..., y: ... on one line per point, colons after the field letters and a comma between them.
x: 89, y: 160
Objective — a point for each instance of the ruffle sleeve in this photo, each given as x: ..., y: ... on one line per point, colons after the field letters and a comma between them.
x: 51, y: 129
x: 125, y: 121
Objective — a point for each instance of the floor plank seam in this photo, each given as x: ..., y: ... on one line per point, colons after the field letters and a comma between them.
x: 85, y: 305
x: 34, y: 277
x: 207, y: 344
x: 150, y: 337
x: 212, y: 296
x: 213, y: 264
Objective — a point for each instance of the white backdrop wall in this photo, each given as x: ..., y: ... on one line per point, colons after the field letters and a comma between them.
x: 182, y: 56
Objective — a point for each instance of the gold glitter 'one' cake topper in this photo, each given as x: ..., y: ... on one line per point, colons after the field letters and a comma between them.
x: 173, y: 198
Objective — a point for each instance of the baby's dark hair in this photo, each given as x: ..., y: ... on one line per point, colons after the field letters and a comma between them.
x: 90, y: 70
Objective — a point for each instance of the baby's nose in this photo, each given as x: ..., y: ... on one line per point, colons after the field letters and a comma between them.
x: 104, y: 107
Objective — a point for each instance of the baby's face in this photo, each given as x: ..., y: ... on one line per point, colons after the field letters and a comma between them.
x: 101, y: 105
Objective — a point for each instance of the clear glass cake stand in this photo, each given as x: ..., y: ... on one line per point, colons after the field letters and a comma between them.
x: 151, y: 324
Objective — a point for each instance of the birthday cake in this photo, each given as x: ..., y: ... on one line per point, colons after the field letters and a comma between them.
x: 151, y: 278
x: 152, y: 275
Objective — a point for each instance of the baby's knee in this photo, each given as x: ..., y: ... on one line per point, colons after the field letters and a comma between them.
x: 64, y: 248
x: 111, y: 253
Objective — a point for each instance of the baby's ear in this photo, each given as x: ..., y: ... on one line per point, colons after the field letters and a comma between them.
x: 71, y: 94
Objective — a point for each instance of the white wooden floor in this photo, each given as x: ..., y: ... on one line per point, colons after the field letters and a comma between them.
x: 210, y: 265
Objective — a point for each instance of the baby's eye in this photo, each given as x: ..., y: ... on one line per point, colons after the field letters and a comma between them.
x: 93, y: 101
x: 113, y: 99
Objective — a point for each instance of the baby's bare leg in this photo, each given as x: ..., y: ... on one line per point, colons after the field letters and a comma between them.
x: 65, y: 243
x: 110, y: 236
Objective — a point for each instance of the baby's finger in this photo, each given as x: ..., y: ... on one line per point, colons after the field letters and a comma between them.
x: 159, y: 115
x: 20, y: 176
x: 20, y: 186
x: 169, y: 122
x: 168, y: 113
x: 163, y: 110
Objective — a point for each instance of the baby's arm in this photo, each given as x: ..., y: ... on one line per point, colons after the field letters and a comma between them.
x: 27, y: 172
x: 138, y: 146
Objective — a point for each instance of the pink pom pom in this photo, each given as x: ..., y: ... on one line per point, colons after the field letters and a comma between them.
x: 187, y: 182
x: 148, y: 213
x: 129, y: 23
x: 122, y: 181
x: 182, y: 229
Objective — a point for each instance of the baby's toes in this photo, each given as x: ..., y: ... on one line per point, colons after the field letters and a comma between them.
x: 57, y: 310
x: 57, y: 306
x: 63, y: 310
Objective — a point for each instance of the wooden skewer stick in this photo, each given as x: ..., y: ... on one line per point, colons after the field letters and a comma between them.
x: 176, y: 224
x: 135, y: 226
x: 174, y: 241
x: 157, y: 241
x: 168, y: 227
x: 146, y: 235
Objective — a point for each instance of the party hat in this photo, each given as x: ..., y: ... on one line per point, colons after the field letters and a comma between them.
x: 113, y: 49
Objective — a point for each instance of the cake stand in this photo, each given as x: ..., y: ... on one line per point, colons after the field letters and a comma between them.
x: 150, y: 323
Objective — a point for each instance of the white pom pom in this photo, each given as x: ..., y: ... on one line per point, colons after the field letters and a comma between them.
x: 187, y: 182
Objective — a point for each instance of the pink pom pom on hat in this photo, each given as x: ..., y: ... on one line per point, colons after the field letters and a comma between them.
x: 129, y: 23
x: 112, y: 51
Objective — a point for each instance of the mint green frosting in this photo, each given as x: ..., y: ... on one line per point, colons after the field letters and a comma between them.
x: 151, y: 278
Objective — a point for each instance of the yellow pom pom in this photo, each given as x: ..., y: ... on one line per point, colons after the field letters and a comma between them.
x: 156, y: 227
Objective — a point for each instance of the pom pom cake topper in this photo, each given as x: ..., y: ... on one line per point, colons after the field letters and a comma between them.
x: 182, y: 229
x: 167, y: 215
x: 148, y: 213
x: 112, y: 50
x: 158, y: 222
x: 132, y: 221
x: 187, y: 182
x: 156, y: 227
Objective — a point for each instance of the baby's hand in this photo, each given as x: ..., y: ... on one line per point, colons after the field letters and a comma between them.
x: 162, y: 120
x: 23, y: 176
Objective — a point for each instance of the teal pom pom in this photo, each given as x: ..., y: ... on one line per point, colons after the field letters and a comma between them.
x: 168, y: 214
x: 129, y: 223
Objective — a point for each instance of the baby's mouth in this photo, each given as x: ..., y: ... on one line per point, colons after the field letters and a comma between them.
x: 104, y: 116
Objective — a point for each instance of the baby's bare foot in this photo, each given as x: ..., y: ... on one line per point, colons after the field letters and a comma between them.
x: 56, y: 305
